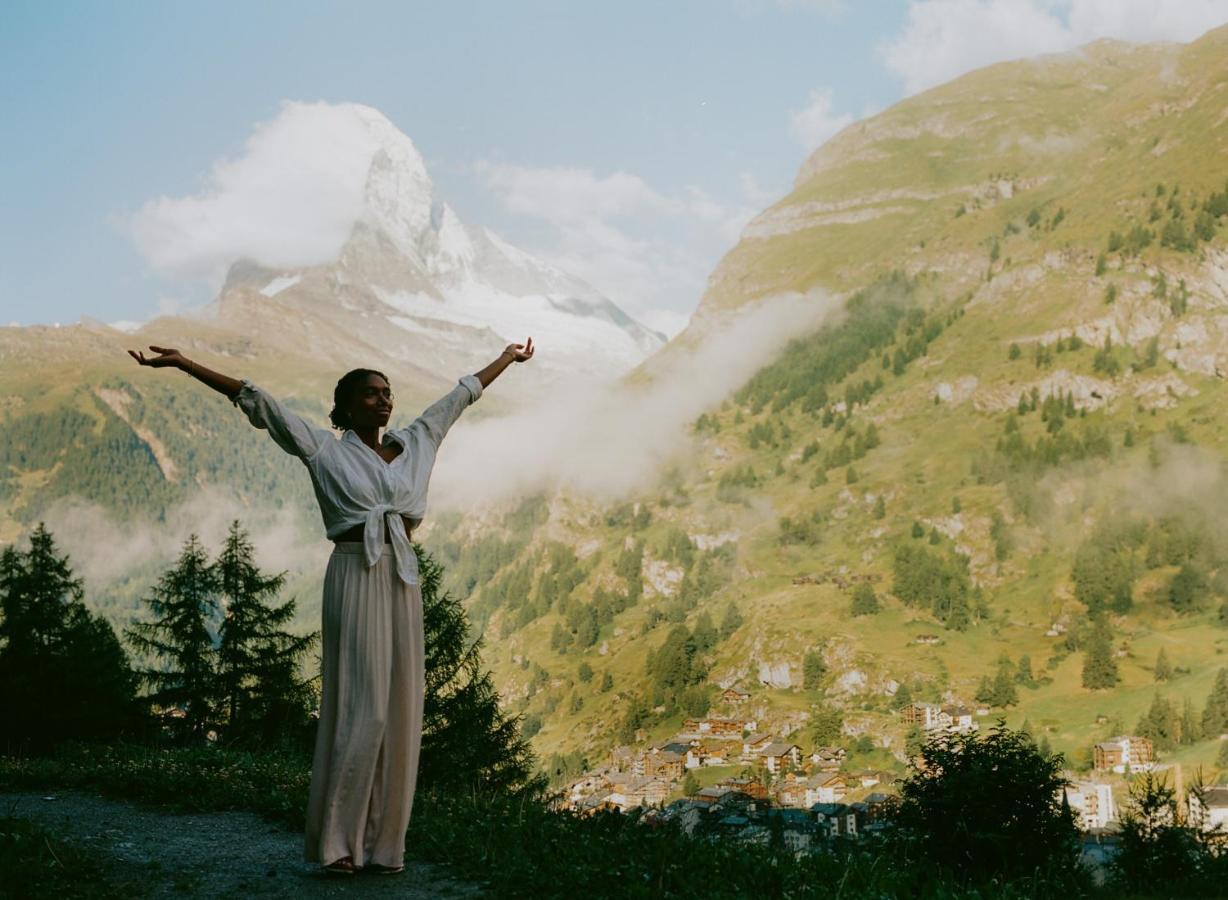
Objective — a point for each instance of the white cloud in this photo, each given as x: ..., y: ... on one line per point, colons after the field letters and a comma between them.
x: 607, y: 440
x: 816, y: 123
x: 942, y: 39
x: 649, y: 251
x: 571, y: 195
x: 289, y: 199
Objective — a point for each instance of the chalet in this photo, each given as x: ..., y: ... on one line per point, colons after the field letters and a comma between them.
x: 869, y: 779
x: 734, y: 696
x: 836, y: 819
x: 959, y: 718
x: 620, y: 758
x: 778, y: 757
x: 832, y: 789
x: 665, y: 764
x: 798, y: 840
x: 1123, y: 754
x: 599, y: 802
x: 754, y: 745
x: 733, y: 801
x: 927, y: 716
x: 752, y: 787
x: 828, y: 758
x: 715, y: 727
x: 619, y: 781
x: 879, y: 806
x: 797, y: 827
x: 713, y: 754
x: 813, y: 784
x: 792, y: 794
x: 588, y: 783
x: 1209, y: 808
x: 1092, y: 804
x: 670, y: 745
x: 638, y: 792
x: 688, y: 814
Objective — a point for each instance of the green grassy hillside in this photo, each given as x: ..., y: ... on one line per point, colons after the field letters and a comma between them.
x: 1029, y: 377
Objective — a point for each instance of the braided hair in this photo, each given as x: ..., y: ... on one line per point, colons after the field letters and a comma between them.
x: 344, y: 392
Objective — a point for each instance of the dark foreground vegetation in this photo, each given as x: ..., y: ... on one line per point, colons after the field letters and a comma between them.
x: 950, y: 837
x: 979, y: 816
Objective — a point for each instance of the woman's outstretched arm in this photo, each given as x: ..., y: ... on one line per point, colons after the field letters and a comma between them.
x: 168, y: 356
x: 294, y: 435
x: 513, y: 353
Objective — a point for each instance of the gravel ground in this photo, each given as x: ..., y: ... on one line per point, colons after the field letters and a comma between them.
x: 227, y: 854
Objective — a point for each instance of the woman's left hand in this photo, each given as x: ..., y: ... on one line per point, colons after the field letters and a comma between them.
x: 520, y: 352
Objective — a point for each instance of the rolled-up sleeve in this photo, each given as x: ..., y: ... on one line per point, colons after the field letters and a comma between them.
x: 289, y: 431
x: 441, y: 415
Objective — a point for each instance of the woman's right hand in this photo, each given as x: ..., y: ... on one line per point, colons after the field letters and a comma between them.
x: 167, y: 356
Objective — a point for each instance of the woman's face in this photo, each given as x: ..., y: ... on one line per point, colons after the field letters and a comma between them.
x: 370, y: 403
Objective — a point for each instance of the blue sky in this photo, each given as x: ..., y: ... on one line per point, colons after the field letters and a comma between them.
x: 709, y: 107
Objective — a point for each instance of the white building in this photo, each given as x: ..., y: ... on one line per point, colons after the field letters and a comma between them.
x: 1092, y: 804
x: 1210, y: 810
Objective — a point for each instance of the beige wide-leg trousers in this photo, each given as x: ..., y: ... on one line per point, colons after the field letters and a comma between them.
x: 366, y: 755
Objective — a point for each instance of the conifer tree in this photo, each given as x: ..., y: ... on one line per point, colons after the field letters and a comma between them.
x: 880, y: 508
x: 262, y: 692
x: 1004, y: 692
x: 1160, y: 723
x: 813, y: 670
x: 1099, y: 667
x: 183, y: 601
x: 1023, y: 674
x: 63, y: 673
x: 1163, y: 670
x: 731, y: 621
x: 1215, y: 713
x: 1191, y: 731
x: 467, y: 740
x: 827, y: 724
x: 865, y: 601
x: 704, y: 634
x: 959, y: 615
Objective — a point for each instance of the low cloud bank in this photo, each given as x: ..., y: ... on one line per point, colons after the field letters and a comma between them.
x: 605, y: 440
x: 104, y: 549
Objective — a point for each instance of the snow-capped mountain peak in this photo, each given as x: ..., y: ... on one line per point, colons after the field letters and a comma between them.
x: 410, y: 254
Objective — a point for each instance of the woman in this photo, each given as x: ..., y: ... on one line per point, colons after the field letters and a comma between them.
x: 372, y: 493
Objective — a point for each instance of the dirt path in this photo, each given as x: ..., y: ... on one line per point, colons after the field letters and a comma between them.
x: 227, y: 854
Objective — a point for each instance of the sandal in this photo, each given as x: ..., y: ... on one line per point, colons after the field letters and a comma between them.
x: 343, y: 866
x: 376, y: 869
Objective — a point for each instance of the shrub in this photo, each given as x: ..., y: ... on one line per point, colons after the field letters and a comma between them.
x: 989, y: 807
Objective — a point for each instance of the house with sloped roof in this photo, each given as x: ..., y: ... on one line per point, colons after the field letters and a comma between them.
x: 1209, y: 808
x: 777, y: 757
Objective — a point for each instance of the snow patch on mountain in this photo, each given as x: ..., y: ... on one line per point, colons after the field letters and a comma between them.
x: 279, y: 284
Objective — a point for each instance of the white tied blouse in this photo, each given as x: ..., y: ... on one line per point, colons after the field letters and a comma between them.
x: 354, y: 485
